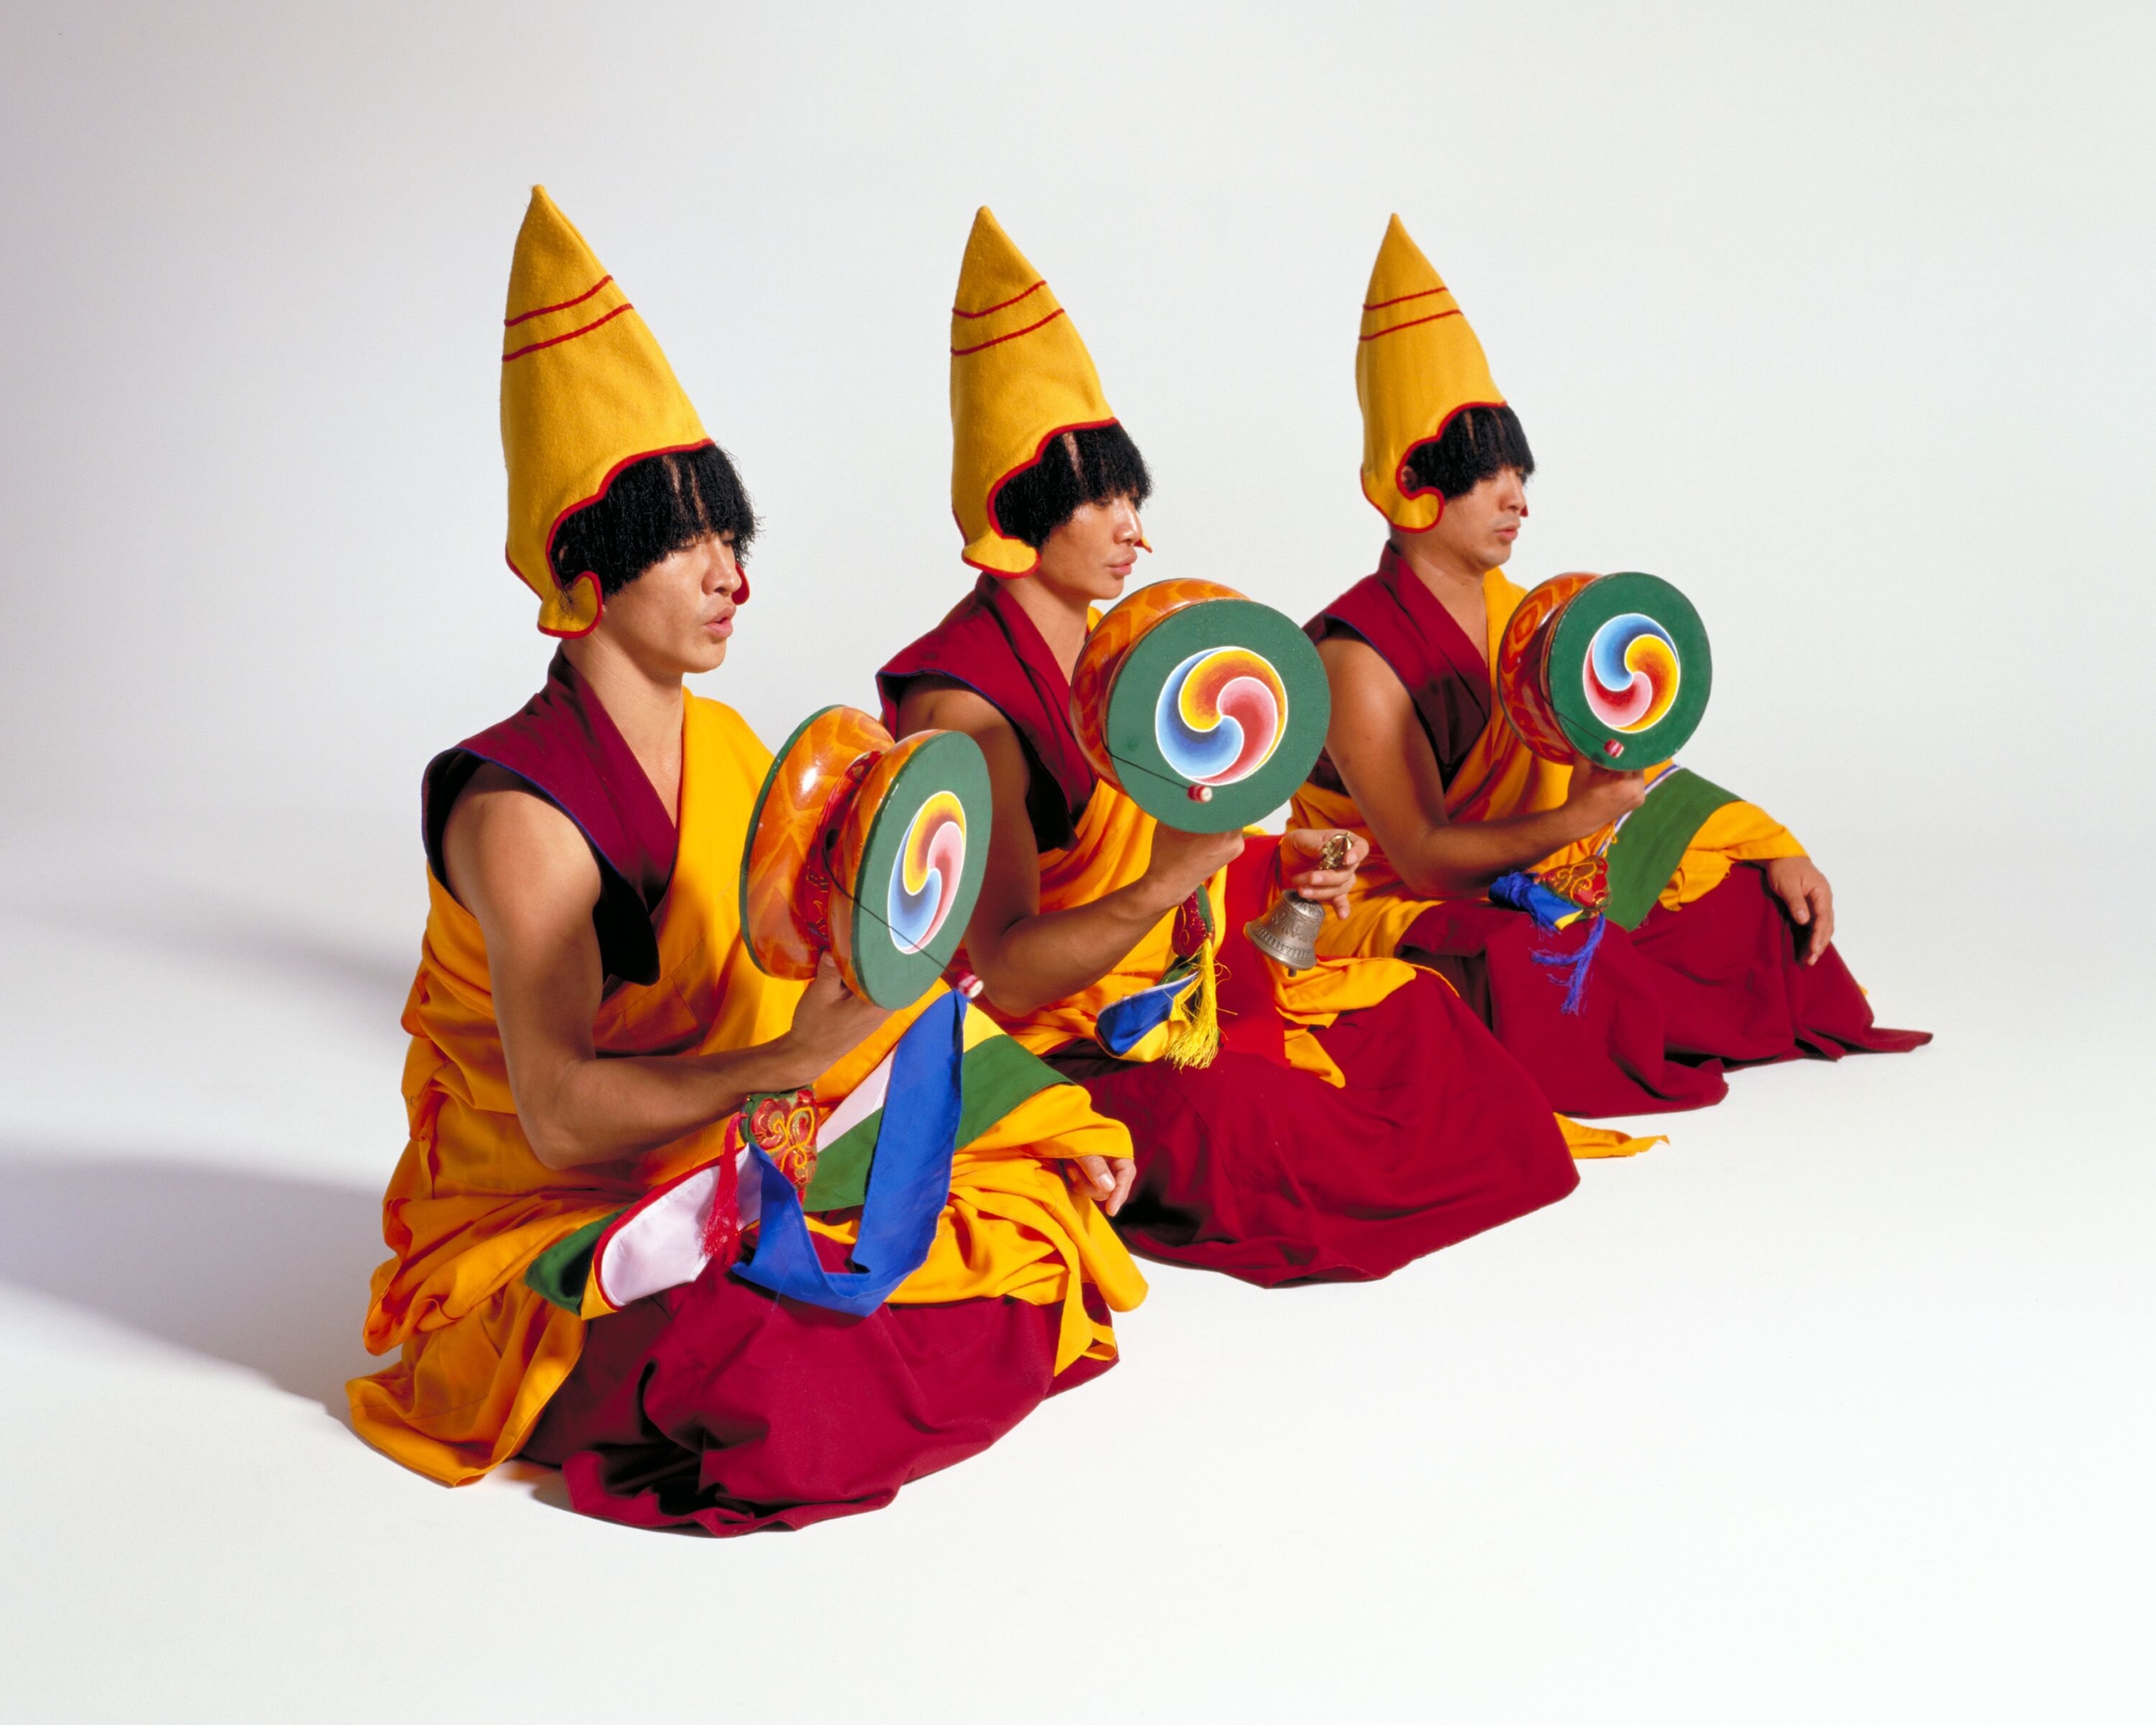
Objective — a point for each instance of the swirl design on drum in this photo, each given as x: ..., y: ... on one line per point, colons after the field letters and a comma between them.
x: 1632, y: 673
x: 924, y: 878
x: 1221, y: 714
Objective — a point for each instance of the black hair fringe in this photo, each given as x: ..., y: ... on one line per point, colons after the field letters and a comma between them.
x: 1478, y: 443
x: 655, y: 507
x: 1076, y: 468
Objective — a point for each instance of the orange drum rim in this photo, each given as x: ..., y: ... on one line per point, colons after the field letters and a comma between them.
x: 786, y: 883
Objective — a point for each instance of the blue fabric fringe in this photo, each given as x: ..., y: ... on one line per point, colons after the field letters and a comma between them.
x: 1522, y: 891
x: 1577, y: 964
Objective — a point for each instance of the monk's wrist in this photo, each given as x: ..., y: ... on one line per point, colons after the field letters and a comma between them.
x: 1153, y: 899
x: 785, y: 1062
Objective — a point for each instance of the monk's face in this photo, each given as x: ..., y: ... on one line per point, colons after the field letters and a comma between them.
x: 676, y: 618
x: 1090, y: 557
x: 1480, y: 527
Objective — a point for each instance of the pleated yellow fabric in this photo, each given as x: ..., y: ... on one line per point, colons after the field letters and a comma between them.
x: 1020, y: 375
x: 585, y: 390
x: 1417, y: 363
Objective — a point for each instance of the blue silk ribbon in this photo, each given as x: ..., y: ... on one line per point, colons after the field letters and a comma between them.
x: 1550, y: 909
x: 909, y: 1181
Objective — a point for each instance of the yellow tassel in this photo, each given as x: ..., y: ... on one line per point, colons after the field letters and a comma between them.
x: 1195, y: 1043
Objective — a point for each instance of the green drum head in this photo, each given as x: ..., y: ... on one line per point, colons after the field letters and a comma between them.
x: 1630, y: 671
x: 921, y: 869
x: 1227, y: 695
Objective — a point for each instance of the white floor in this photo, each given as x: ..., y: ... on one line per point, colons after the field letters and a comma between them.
x: 1839, y: 1407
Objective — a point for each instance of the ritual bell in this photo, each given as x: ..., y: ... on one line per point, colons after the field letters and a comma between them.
x: 1289, y: 931
x: 1287, y: 934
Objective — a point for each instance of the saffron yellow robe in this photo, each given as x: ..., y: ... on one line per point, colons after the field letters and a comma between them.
x: 470, y: 1207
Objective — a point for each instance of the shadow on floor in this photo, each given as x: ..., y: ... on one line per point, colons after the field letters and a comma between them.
x: 262, y: 1270
x: 258, y: 937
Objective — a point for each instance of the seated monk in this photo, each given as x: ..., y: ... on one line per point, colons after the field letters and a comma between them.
x: 1734, y: 964
x: 595, y: 1055
x: 1355, y: 1116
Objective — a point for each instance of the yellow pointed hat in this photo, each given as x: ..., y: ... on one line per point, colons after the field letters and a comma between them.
x: 585, y: 390
x: 1019, y: 376
x: 1417, y: 363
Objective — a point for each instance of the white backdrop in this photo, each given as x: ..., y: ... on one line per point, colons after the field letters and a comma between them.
x: 1835, y: 315
x: 1832, y: 315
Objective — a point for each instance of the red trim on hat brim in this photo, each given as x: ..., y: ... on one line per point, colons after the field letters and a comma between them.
x: 995, y: 526
x: 1400, y: 473
x: 599, y: 599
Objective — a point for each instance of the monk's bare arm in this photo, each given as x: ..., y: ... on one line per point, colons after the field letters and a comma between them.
x: 1386, y: 760
x: 1025, y: 959
x: 522, y: 868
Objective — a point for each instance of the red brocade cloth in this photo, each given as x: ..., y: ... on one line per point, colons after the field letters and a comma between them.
x: 1270, y: 1174
x: 721, y: 1407
x: 1666, y: 1006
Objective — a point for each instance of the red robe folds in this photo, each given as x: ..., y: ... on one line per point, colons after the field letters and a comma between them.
x: 721, y: 1407
x: 1711, y: 979
x: 1355, y: 1118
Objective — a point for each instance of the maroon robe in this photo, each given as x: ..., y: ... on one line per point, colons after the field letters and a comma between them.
x: 1250, y: 1166
x: 718, y: 1405
x: 565, y: 746
x: 1667, y: 1005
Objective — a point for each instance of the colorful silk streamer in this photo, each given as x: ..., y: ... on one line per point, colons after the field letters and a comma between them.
x: 909, y: 1182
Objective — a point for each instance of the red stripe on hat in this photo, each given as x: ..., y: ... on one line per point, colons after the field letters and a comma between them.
x: 1000, y: 304
x: 557, y: 340
x: 1434, y: 316
x: 958, y: 352
x: 542, y: 311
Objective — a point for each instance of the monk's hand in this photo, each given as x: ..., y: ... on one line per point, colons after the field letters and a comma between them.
x: 1599, y: 796
x: 1106, y: 1179
x: 1803, y: 890
x: 829, y: 1020
x: 1183, y: 861
x: 1303, y: 859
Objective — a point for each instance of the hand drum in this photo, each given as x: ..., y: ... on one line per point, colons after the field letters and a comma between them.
x: 1610, y: 669
x: 1206, y: 708
x: 868, y: 849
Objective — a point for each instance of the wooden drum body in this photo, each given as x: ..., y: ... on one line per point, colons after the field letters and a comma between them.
x: 868, y: 848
